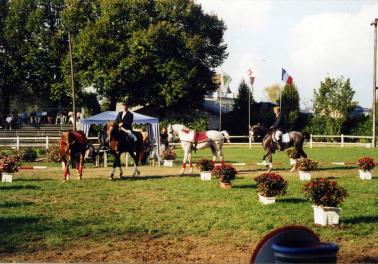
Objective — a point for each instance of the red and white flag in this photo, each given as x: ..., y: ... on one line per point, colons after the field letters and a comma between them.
x: 286, y: 77
x: 250, y: 76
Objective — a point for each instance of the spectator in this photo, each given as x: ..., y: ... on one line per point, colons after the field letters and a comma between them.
x: 23, y: 117
x: 32, y: 118
x: 60, y: 119
x: 70, y: 118
x: 38, y: 117
x: 164, y: 139
x: 49, y: 118
x: 8, y: 121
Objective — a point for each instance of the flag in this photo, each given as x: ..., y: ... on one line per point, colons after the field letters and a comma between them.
x: 286, y: 77
x: 250, y: 76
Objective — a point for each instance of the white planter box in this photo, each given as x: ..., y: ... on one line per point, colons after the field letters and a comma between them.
x: 326, y: 215
x: 5, y: 177
x: 206, y: 175
x: 168, y: 163
x: 304, y: 176
x: 293, y: 161
x: 267, y: 200
x: 365, y: 175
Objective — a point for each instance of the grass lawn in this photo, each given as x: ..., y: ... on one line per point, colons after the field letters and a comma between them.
x: 162, y: 217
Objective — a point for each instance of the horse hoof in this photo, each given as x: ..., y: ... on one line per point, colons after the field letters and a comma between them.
x: 111, y: 177
x: 121, y: 175
x: 191, y: 171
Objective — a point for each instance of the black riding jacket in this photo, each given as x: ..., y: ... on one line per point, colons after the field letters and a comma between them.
x: 279, y: 124
x: 126, y: 121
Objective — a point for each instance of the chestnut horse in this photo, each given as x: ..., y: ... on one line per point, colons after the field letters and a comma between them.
x: 72, y: 148
x: 119, y: 143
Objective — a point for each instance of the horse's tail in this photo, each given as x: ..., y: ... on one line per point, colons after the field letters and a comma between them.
x: 226, y: 136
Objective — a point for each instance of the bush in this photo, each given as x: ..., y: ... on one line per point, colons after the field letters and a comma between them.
x: 169, y: 155
x: 9, y: 164
x: 366, y: 164
x: 306, y: 165
x: 225, y: 173
x: 271, y: 184
x: 52, y: 153
x: 323, y: 192
x: 205, y: 165
x: 29, y: 154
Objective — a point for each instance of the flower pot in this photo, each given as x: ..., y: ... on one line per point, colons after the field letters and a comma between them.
x: 225, y: 185
x: 304, y: 175
x: 206, y: 175
x: 266, y: 200
x: 326, y: 215
x: 293, y: 161
x: 365, y: 175
x: 168, y: 163
x: 5, y: 177
x: 305, y: 252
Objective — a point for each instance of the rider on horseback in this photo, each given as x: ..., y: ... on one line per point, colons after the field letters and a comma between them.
x: 279, y: 127
x: 125, y: 120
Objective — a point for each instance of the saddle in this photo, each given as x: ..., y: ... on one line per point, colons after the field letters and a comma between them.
x: 194, y: 137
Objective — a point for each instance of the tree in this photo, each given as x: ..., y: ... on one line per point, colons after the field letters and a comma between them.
x: 273, y: 93
x: 332, y: 103
x: 290, y: 105
x: 241, y: 102
x: 160, y: 53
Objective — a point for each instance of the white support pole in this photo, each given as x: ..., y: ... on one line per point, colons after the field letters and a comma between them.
x: 18, y: 143
x: 342, y: 140
x: 250, y: 142
x: 105, y: 159
x: 310, y: 140
x: 47, y: 142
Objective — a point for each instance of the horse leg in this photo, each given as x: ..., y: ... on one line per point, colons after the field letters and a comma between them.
x: 270, y: 165
x: 66, y: 169
x: 184, y: 161
x: 135, y: 158
x: 115, y: 162
x: 220, y: 152
x: 190, y: 162
x: 81, y: 166
x: 214, y: 152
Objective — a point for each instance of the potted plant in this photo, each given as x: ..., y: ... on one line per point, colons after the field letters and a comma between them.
x: 365, y: 166
x: 326, y: 196
x: 205, y: 166
x: 304, y: 166
x: 292, y: 154
x: 225, y: 174
x: 168, y: 156
x: 269, y: 186
x: 8, y: 166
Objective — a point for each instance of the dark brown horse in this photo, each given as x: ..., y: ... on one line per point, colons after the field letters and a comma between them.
x: 72, y: 148
x: 259, y: 132
x: 119, y: 143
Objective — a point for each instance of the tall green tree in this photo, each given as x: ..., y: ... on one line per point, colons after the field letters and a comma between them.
x: 290, y: 105
x: 160, y: 53
x: 332, y: 103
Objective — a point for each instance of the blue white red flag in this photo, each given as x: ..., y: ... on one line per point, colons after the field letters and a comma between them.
x: 286, y: 77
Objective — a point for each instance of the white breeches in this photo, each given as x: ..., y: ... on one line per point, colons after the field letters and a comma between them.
x: 129, y: 134
x: 277, y: 135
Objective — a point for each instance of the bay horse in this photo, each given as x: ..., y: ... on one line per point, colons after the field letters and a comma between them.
x: 191, y: 140
x: 119, y: 143
x: 260, y: 132
x: 72, y: 148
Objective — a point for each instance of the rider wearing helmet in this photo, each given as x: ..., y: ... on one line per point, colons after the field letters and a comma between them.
x: 278, y: 126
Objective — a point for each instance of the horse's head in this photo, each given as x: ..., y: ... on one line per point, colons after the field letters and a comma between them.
x: 256, y: 132
x: 110, y: 128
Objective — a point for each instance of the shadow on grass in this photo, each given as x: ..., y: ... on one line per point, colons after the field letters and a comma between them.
x: 138, y: 178
x: 8, y: 204
x: 361, y: 219
x: 33, y: 180
x: 20, y: 187
x: 293, y: 200
x: 245, y: 186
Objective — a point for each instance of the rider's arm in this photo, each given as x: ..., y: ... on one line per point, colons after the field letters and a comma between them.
x: 277, y: 123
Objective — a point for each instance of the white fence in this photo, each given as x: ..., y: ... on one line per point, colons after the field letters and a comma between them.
x: 315, y: 140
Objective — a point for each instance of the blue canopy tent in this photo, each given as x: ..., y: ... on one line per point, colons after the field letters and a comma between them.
x: 102, y: 118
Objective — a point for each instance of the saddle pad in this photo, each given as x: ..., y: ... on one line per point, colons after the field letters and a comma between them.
x: 202, y: 136
x: 187, y: 135
x: 286, y: 138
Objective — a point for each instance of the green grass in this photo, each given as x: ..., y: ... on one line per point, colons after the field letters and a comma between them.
x: 37, y: 211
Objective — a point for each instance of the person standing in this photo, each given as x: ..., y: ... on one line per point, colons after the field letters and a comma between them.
x: 125, y: 120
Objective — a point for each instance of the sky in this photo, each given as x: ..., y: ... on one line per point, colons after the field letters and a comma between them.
x: 309, y: 39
